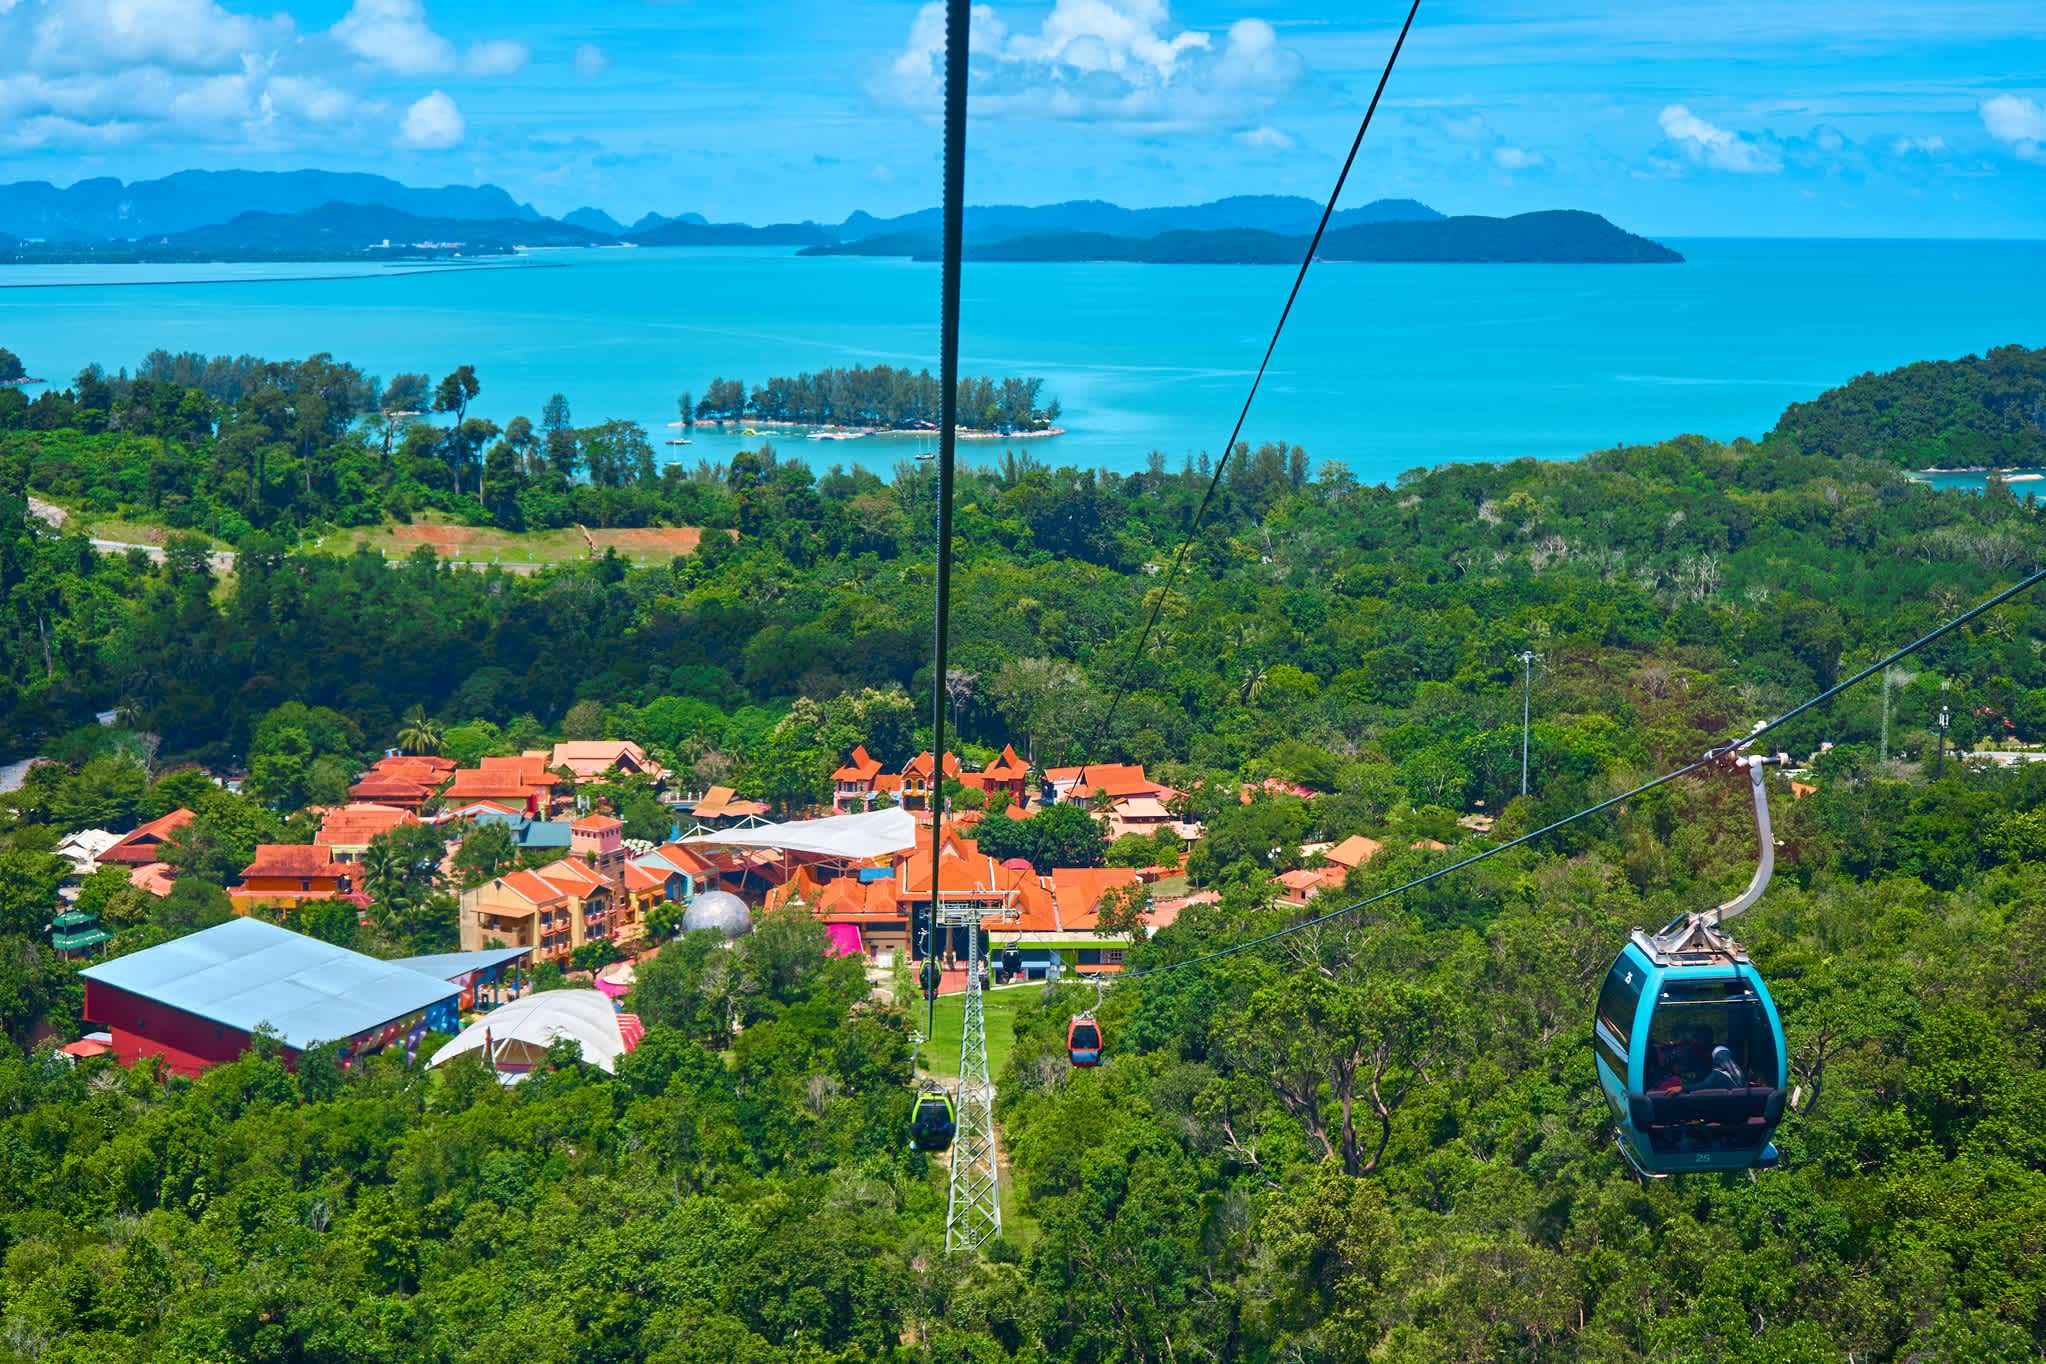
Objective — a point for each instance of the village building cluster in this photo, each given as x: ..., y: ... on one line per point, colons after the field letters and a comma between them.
x: 863, y: 868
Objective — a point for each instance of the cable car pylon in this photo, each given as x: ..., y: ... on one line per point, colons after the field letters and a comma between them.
x: 973, y: 1206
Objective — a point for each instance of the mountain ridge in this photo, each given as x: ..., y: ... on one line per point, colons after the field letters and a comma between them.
x: 106, y: 209
x: 276, y: 214
x: 1552, y: 236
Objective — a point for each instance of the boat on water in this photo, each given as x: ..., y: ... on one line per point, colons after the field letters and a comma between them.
x: 681, y: 440
x: 749, y: 431
x: 836, y: 435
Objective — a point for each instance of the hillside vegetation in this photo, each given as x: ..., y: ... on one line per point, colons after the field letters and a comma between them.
x: 1378, y: 1140
x: 1971, y: 413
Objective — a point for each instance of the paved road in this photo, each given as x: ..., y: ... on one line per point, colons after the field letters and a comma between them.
x: 222, y: 559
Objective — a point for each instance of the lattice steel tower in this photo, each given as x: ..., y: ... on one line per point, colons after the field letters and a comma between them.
x: 973, y: 1209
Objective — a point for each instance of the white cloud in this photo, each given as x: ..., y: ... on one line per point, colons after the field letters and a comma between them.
x: 182, y: 35
x: 590, y: 61
x: 394, y: 35
x: 1266, y: 138
x: 1923, y: 146
x: 1111, y: 61
x: 497, y: 57
x: 1709, y: 145
x: 308, y: 99
x: 1469, y: 129
x: 2019, y: 122
x: 1517, y: 158
x: 432, y: 123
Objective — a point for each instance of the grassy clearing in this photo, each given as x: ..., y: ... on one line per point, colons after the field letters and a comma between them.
x: 141, y: 532
x: 474, y: 544
x: 940, y: 1054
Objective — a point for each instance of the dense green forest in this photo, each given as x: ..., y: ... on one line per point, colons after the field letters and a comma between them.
x: 1379, y: 1140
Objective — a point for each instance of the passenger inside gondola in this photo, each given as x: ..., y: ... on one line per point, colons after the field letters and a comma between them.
x: 1682, y: 1062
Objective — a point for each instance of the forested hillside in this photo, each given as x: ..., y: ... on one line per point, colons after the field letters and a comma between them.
x: 1987, y: 411
x: 1378, y: 1140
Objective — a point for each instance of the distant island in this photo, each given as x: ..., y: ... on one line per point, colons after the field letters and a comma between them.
x: 201, y: 216
x: 1554, y: 237
x: 877, y: 400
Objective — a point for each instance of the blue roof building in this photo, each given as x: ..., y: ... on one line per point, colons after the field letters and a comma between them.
x: 199, y: 1000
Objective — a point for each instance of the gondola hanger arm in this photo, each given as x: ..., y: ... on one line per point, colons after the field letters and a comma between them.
x: 1765, y: 836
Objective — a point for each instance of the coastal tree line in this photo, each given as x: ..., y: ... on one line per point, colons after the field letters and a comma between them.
x: 879, y: 396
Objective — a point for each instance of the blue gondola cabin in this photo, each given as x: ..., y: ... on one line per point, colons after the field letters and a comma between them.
x: 1690, y: 1055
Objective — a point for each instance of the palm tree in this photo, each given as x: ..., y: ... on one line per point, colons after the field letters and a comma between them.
x: 419, y: 732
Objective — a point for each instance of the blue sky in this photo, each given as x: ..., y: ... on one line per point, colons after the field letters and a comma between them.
x: 1813, y: 117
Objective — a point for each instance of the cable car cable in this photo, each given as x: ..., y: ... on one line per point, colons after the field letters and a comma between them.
x: 1717, y: 752
x: 1235, y: 432
x: 957, y: 17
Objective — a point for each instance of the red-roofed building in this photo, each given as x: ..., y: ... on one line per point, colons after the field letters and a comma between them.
x: 145, y: 843
x: 599, y: 839
x: 1117, y: 781
x: 915, y: 791
x: 427, y: 768
x: 523, y: 781
x: 553, y: 910
x: 854, y: 784
x: 1353, y: 852
x: 603, y: 759
x: 1299, y: 886
x: 1008, y: 774
x: 155, y: 878
x: 398, y: 792
x: 286, y: 875
x: 348, y: 829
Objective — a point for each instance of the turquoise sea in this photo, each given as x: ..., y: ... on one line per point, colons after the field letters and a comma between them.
x: 1385, y: 367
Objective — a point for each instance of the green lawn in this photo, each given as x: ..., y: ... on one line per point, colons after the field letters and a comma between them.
x: 940, y: 1053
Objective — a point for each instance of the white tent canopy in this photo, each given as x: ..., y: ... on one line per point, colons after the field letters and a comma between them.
x: 853, y: 837
x: 530, y: 1024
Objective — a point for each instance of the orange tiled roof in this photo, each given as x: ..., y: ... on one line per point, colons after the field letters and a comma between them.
x: 354, y: 825
x: 686, y: 859
x: 302, y: 860
x: 643, y: 878
x: 591, y: 758
x: 1008, y: 767
x: 487, y: 782
x: 376, y: 787
x: 1078, y: 892
x: 431, y: 761
x: 596, y: 824
x: 530, y: 767
x: 141, y: 844
x: 1353, y: 851
x: 721, y: 802
x: 572, y: 876
x: 920, y: 765
x: 422, y: 767
x: 861, y: 766
x: 155, y: 877
x: 530, y: 887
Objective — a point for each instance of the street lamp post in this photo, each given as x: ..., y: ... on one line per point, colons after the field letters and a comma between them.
x: 1527, y: 661
x: 1946, y: 717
